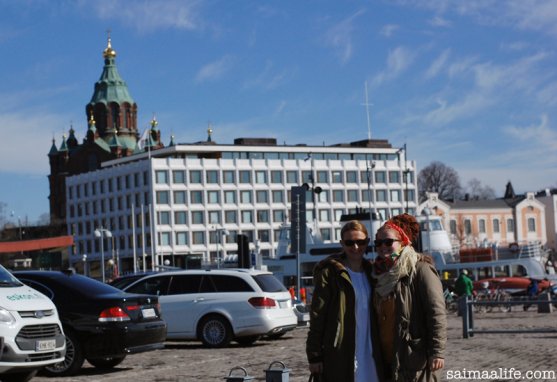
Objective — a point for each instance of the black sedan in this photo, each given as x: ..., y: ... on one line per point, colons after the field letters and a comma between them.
x: 102, y: 324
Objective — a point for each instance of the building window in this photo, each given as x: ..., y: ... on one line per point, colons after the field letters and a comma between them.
x: 198, y: 237
x: 279, y: 216
x: 181, y: 238
x: 367, y: 195
x: 482, y: 225
x: 531, y: 225
x: 263, y: 216
x: 325, y: 233
x: 394, y: 177
x: 179, y: 197
x: 292, y: 177
x: 395, y: 195
x: 245, y: 196
x: 178, y: 177
x: 352, y: 195
x: 380, y: 176
x: 247, y: 216
x: 322, y: 177
x: 228, y: 177
x: 323, y: 196
x: 338, y: 196
x: 196, y: 197
x: 496, y: 225
x: 337, y: 176
x: 214, y: 217
x: 351, y: 177
x: 197, y: 217
x: 278, y: 196
x: 213, y: 197
x: 165, y: 238
x: 452, y: 227
x: 195, y: 177
x: 162, y: 198
x: 276, y: 176
x: 180, y: 217
x: 245, y: 176
x: 306, y: 176
x: 212, y: 177
x: 467, y: 227
x: 261, y: 196
x: 161, y: 177
x: 230, y: 217
x: 324, y: 215
x: 381, y: 195
x: 164, y: 217
x: 260, y: 177
x: 230, y: 197
x: 264, y: 235
x: 510, y: 225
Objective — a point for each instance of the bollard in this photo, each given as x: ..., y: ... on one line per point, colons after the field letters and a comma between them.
x: 545, y: 306
x: 233, y: 378
x: 277, y: 375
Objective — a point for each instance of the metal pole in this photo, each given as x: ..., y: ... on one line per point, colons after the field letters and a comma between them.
x: 298, y: 282
x: 102, y: 253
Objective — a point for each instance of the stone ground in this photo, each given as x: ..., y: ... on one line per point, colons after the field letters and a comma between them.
x: 189, y: 361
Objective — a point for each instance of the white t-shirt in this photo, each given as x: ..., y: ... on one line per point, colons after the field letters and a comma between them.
x: 364, y: 365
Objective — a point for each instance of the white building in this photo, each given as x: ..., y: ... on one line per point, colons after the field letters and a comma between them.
x: 204, y: 194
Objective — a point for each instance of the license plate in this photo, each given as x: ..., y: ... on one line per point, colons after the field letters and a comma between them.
x: 283, y: 304
x: 148, y: 313
x: 44, y: 345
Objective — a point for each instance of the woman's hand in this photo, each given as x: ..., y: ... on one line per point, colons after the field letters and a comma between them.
x: 316, y: 368
x: 435, y: 364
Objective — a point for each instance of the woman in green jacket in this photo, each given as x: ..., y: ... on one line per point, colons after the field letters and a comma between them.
x: 409, y: 305
x: 339, y: 347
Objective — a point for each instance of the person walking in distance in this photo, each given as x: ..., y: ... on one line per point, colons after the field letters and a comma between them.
x: 464, y: 285
x: 339, y: 343
x: 408, y: 304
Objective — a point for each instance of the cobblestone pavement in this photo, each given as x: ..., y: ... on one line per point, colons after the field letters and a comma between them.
x: 189, y: 361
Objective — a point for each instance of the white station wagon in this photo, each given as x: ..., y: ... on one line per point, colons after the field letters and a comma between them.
x: 218, y: 306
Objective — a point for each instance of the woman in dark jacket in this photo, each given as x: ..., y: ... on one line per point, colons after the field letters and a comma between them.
x: 339, y: 347
x: 408, y: 304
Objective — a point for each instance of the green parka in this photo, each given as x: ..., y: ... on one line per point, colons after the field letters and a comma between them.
x: 420, y: 327
x: 331, y: 337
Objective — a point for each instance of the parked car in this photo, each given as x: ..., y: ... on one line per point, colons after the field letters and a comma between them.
x: 218, y: 306
x: 102, y: 324
x: 301, y: 311
x: 31, y: 334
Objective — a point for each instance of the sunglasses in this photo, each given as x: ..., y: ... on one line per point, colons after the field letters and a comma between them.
x: 387, y: 242
x: 350, y: 243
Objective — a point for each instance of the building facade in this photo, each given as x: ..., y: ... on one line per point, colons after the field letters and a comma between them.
x: 132, y: 203
x: 506, y: 221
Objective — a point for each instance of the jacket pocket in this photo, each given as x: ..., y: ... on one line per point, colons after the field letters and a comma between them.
x: 414, y: 355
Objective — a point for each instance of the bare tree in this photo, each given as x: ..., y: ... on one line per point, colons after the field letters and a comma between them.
x: 476, y: 190
x: 439, y: 178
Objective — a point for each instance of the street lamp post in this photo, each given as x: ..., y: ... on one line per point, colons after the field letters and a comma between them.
x: 102, y: 233
x: 84, y: 258
x: 220, y: 233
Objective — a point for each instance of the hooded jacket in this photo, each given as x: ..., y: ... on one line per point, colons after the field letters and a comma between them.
x: 420, y: 326
x: 331, y: 337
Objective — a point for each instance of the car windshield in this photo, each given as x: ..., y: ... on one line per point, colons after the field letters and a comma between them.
x: 7, y: 279
x: 269, y: 283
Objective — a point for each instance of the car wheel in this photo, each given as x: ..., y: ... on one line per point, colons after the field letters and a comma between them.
x: 73, y: 361
x: 19, y: 377
x: 215, y: 331
x: 246, y: 341
x: 106, y: 362
x: 276, y: 336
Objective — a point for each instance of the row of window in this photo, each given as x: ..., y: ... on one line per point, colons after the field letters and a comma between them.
x: 277, y: 177
x: 278, y: 196
x: 304, y: 156
x: 118, y: 183
x: 496, y: 226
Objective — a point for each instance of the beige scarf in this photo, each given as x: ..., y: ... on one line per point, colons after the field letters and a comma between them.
x: 405, y: 266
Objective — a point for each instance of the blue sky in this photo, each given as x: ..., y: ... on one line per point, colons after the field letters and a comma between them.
x: 472, y: 83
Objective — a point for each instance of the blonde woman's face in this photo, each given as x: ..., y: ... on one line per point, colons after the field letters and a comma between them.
x: 387, y: 241
x: 354, y: 243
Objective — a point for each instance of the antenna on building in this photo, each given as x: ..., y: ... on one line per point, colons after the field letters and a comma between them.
x: 367, y: 105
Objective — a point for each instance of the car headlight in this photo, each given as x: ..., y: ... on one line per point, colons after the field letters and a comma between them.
x: 6, y: 317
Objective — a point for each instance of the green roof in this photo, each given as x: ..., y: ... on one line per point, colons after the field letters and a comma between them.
x: 111, y: 87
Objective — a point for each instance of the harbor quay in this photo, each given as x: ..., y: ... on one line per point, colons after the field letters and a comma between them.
x: 485, y: 357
